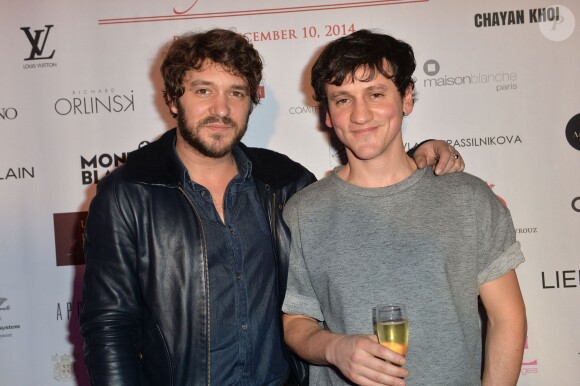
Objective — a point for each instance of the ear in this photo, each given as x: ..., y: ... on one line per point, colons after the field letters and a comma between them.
x: 169, y: 101
x: 172, y: 106
x: 408, y: 101
x: 328, y: 119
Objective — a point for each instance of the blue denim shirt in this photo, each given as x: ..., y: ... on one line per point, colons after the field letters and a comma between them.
x: 245, y: 345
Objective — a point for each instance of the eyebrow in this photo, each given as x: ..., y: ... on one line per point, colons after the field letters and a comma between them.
x: 338, y: 94
x: 377, y: 87
x: 371, y: 88
x: 241, y: 87
x: 201, y: 82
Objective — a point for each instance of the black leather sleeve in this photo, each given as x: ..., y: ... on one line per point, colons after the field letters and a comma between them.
x: 110, y: 314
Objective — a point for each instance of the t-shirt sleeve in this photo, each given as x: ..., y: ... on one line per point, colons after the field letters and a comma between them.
x: 507, y: 261
x: 300, y: 297
x: 499, y: 252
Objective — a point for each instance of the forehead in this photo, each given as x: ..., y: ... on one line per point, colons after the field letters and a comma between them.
x: 364, y: 73
x: 214, y: 73
x: 363, y: 77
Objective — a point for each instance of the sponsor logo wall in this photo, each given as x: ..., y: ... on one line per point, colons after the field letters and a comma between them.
x: 81, y: 90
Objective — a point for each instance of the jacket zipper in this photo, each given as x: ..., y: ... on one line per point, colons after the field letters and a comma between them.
x: 206, y: 278
x: 273, y: 216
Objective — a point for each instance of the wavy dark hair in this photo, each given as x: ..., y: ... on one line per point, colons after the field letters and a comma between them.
x: 224, y: 47
x: 367, y: 49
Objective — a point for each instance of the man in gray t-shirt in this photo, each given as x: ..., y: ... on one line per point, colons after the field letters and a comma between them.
x: 379, y: 230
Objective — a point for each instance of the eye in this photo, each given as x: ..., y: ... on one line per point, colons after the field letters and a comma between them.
x: 202, y: 91
x: 377, y: 95
x: 239, y: 94
x: 340, y: 101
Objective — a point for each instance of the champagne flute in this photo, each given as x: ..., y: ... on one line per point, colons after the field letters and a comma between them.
x: 392, y: 327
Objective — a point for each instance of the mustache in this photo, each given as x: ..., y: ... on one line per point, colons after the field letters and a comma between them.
x: 227, y: 121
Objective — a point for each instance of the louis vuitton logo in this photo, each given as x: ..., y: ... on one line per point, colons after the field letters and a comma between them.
x: 38, y: 42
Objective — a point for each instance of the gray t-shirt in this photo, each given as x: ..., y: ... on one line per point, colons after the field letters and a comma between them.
x: 428, y: 242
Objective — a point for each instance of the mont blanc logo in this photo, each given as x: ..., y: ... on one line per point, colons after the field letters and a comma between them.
x: 96, y: 166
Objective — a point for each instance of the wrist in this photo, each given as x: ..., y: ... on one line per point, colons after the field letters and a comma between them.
x: 330, y: 348
x: 411, y: 152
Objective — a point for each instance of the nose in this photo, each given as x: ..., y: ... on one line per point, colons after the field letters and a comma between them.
x: 220, y: 106
x: 360, y: 113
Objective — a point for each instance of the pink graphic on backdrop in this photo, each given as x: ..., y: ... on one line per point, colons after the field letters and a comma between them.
x: 531, y: 363
x: 498, y: 196
x: 185, y: 12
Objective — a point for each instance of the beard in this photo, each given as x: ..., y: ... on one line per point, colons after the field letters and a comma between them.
x: 217, y: 146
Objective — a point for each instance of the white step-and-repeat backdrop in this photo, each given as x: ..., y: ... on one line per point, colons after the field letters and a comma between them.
x: 80, y: 88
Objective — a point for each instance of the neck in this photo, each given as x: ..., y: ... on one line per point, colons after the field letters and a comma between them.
x: 380, y: 172
x: 214, y: 174
x: 207, y: 171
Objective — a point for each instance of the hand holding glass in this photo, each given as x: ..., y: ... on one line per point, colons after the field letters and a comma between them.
x: 392, y: 326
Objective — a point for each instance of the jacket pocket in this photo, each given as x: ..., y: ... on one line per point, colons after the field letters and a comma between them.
x: 155, y: 359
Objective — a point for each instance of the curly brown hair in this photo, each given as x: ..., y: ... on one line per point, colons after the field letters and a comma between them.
x: 224, y: 47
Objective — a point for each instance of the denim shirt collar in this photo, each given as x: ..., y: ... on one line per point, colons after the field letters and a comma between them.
x: 243, y: 163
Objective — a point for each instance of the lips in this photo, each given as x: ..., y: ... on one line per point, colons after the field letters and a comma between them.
x: 365, y: 130
x: 218, y: 123
x: 219, y: 127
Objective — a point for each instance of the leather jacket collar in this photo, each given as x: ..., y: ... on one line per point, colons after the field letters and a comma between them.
x: 157, y: 164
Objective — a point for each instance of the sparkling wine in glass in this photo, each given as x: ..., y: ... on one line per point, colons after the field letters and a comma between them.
x: 392, y: 327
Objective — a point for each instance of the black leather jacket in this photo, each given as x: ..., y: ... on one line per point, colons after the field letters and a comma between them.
x: 145, y: 314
